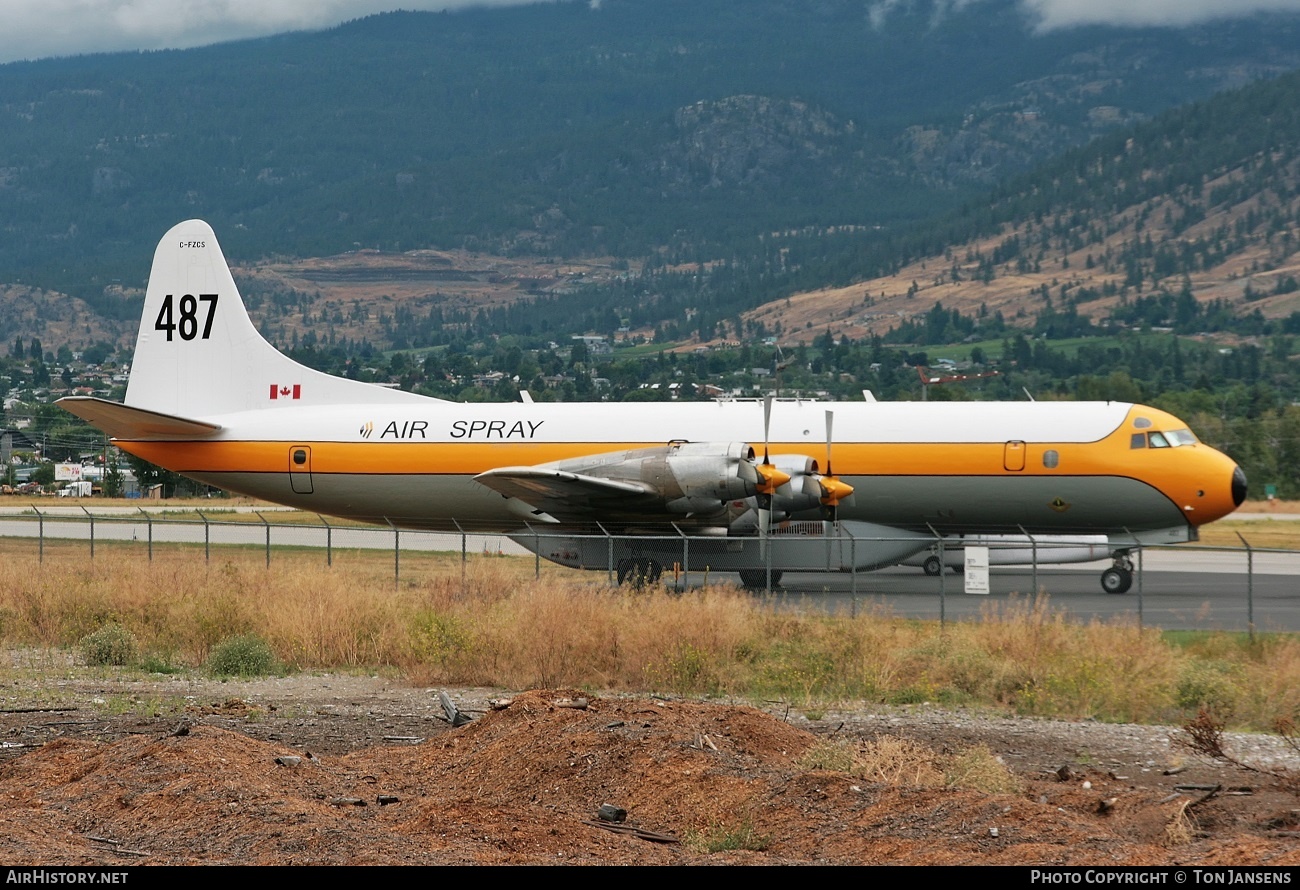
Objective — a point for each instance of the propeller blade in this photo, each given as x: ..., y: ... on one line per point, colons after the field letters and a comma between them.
x: 833, y: 490
x: 767, y: 423
x: 830, y: 420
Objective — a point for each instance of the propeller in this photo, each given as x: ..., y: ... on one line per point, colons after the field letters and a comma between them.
x: 833, y: 490
x: 770, y: 478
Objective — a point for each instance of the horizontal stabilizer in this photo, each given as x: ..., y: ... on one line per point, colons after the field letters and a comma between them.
x: 124, y: 422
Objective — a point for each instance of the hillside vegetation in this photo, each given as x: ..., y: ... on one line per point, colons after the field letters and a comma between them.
x: 631, y: 127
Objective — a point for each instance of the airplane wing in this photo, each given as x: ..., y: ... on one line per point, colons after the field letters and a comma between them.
x: 124, y: 422
x: 563, y: 494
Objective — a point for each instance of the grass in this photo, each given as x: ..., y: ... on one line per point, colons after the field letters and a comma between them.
x: 1266, y: 534
x: 489, y: 622
x: 728, y: 838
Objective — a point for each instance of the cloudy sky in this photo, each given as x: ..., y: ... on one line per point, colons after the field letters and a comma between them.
x: 33, y: 29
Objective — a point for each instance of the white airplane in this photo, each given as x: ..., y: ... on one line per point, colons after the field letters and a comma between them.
x: 209, y: 398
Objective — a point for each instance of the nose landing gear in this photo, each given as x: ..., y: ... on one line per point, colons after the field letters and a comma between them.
x: 1119, y: 577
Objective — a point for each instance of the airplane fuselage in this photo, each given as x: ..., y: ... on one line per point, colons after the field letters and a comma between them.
x: 1041, y: 467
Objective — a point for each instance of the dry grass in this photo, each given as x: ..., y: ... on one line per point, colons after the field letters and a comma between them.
x: 489, y: 621
x: 1182, y: 826
x: 897, y: 761
x: 892, y: 760
x: 1264, y: 534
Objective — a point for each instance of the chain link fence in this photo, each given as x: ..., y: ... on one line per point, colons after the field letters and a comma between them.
x: 679, y: 560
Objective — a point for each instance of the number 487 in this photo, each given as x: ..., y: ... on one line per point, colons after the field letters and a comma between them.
x: 183, y: 319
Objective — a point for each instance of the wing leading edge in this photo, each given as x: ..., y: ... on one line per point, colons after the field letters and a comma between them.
x: 563, y: 494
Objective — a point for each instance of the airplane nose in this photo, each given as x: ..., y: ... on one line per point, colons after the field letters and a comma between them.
x: 1238, y: 486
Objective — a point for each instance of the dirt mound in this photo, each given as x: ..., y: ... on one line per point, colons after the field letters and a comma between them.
x: 699, y: 782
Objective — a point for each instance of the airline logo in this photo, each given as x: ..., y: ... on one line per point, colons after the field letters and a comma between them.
x: 280, y: 391
x: 366, y: 429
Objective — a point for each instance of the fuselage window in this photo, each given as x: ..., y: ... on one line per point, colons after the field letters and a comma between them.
x: 1139, y: 440
x: 1051, y: 459
x: 300, y: 457
x: 1158, y: 440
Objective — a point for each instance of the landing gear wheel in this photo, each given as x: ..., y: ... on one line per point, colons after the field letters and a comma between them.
x: 756, y: 579
x: 932, y: 566
x: 1116, y: 580
x: 639, y: 573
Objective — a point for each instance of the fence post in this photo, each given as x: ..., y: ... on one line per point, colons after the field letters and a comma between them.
x: 686, y: 557
x: 40, y: 534
x: 148, y: 524
x: 463, y: 555
x: 1137, y: 545
x: 329, y: 541
x: 268, y: 537
x: 943, y: 588
x: 207, y: 538
x: 1250, y: 586
x: 92, y: 529
x: 1033, y: 555
x: 767, y: 552
x: 943, y: 570
x: 609, y: 559
x: 853, y: 573
x: 397, y: 553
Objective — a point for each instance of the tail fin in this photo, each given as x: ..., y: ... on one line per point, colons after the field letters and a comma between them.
x: 198, y: 353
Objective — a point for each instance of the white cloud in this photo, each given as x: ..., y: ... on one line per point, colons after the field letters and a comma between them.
x: 33, y: 29
x: 1064, y: 13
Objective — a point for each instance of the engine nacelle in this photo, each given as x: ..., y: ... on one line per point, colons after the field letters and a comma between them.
x: 683, y: 477
x: 700, y: 476
x: 803, y: 491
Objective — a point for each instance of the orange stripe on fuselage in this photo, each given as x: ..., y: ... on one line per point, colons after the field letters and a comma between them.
x: 1190, y: 476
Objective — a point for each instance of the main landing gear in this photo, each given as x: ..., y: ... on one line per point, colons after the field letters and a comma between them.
x: 1119, y: 577
x: 933, y: 566
x: 756, y: 579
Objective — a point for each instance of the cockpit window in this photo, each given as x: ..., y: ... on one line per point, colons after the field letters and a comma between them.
x: 1141, y: 423
x: 1153, y: 439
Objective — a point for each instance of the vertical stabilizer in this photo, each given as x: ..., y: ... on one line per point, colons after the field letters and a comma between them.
x: 198, y: 353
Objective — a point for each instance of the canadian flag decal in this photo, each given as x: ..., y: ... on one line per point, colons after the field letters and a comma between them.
x: 279, y: 391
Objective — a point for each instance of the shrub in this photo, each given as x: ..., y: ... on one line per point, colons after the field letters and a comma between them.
x: 242, y: 656
x: 111, y: 645
x: 979, y: 769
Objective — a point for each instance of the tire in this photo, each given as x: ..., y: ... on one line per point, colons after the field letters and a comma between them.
x: 1116, y: 580
x: 756, y: 579
x: 932, y: 566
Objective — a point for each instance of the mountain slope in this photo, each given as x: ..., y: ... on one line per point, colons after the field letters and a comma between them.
x: 1202, y: 204
x: 632, y: 127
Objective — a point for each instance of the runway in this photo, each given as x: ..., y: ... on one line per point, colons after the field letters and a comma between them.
x: 1175, y: 590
